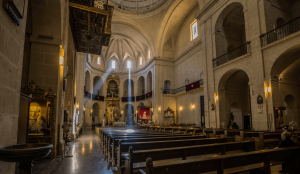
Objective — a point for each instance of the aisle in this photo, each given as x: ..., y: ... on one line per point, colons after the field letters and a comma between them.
x: 87, y: 158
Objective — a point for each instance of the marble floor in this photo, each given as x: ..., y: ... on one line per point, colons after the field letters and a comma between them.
x: 87, y: 158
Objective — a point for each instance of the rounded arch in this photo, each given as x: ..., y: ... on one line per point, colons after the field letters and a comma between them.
x: 230, y: 30
x: 234, y: 96
x: 96, y: 114
x: 149, y: 103
x: 129, y: 114
x: 171, y: 23
x: 98, y: 86
x: 149, y: 81
x: 128, y: 88
x: 167, y: 87
x: 87, y: 81
x: 141, y: 85
x: 132, y: 62
x: 280, y: 21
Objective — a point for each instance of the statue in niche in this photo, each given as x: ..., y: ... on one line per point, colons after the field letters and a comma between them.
x: 231, y: 118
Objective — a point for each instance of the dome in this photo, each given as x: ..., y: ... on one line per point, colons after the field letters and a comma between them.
x: 136, y: 5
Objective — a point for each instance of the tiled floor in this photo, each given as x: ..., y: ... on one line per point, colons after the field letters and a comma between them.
x: 87, y: 158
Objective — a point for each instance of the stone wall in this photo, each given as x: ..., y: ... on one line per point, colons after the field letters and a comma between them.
x: 12, y: 38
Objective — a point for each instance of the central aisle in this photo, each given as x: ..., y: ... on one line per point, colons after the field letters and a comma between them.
x: 87, y: 158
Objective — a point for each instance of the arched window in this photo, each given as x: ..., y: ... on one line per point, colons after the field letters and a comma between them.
x: 113, y: 64
x: 128, y: 64
x: 99, y: 61
x: 149, y: 55
x: 141, y: 60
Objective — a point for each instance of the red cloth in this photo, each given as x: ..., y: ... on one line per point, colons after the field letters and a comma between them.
x: 141, y: 113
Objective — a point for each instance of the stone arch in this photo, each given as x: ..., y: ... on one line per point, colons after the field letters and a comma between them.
x: 149, y: 103
x: 141, y: 85
x: 133, y: 64
x: 149, y: 81
x: 167, y: 87
x: 141, y: 104
x: 87, y: 85
x: 234, y: 94
x: 129, y: 114
x: 98, y: 86
x: 230, y: 29
x: 128, y: 88
x: 96, y: 114
x: 291, y: 109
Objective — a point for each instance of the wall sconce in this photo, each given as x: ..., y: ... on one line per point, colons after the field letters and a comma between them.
x: 136, y: 111
x: 193, y: 106
x: 122, y: 111
x: 159, y: 108
x: 268, y: 89
x: 84, y: 108
x: 216, y: 97
x: 61, y: 61
x: 180, y: 108
x: 77, y: 106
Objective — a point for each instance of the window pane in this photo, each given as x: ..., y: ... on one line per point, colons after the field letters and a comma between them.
x: 141, y: 61
x: 99, y: 61
x: 149, y: 54
x: 113, y: 64
x: 128, y: 64
x: 194, y: 30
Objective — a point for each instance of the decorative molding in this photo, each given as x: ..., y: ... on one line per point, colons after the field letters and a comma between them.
x: 13, y: 11
x: 205, y: 8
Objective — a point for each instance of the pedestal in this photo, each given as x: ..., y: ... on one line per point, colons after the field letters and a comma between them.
x: 103, y: 125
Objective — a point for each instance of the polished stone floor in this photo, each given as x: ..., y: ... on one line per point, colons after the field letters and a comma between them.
x: 87, y: 158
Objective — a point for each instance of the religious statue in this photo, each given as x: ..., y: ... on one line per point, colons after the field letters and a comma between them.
x: 231, y: 118
x: 144, y: 116
x: 279, y: 120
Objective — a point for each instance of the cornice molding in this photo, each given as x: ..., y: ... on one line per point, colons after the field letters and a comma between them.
x: 205, y: 8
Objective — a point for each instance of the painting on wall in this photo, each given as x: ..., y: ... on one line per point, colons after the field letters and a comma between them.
x: 37, y: 117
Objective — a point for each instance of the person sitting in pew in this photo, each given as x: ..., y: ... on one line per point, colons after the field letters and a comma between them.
x: 286, y: 140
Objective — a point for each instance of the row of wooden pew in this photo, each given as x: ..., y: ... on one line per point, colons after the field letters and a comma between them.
x: 139, y: 150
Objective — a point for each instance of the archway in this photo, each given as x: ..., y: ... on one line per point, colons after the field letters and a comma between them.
x: 149, y: 81
x: 285, y: 84
x: 230, y: 33
x: 129, y: 114
x: 291, y: 109
x: 141, y: 86
x: 167, y: 85
x: 96, y: 114
x: 234, y: 96
x: 86, y: 112
x: 87, y: 86
x: 128, y: 88
x: 98, y: 86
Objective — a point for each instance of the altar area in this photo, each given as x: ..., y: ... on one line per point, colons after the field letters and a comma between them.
x: 144, y: 114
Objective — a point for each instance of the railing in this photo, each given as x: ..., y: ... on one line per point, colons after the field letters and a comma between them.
x: 149, y: 95
x: 242, y: 50
x: 87, y: 95
x: 280, y: 32
x: 141, y: 97
x: 97, y: 97
x: 185, y: 88
x: 128, y: 99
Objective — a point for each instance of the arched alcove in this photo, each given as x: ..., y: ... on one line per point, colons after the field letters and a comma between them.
x: 96, y: 114
x: 149, y: 81
x: 87, y: 86
x: 141, y: 86
x: 98, y: 86
x: 128, y: 88
x: 167, y: 87
x: 230, y: 31
x: 129, y: 114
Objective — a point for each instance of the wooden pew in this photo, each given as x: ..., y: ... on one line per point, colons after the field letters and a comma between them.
x: 124, y: 146
x: 113, y: 139
x: 226, y: 162
x: 138, y: 156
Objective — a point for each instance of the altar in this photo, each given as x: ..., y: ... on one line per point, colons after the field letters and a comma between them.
x: 144, y: 114
x: 119, y: 123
